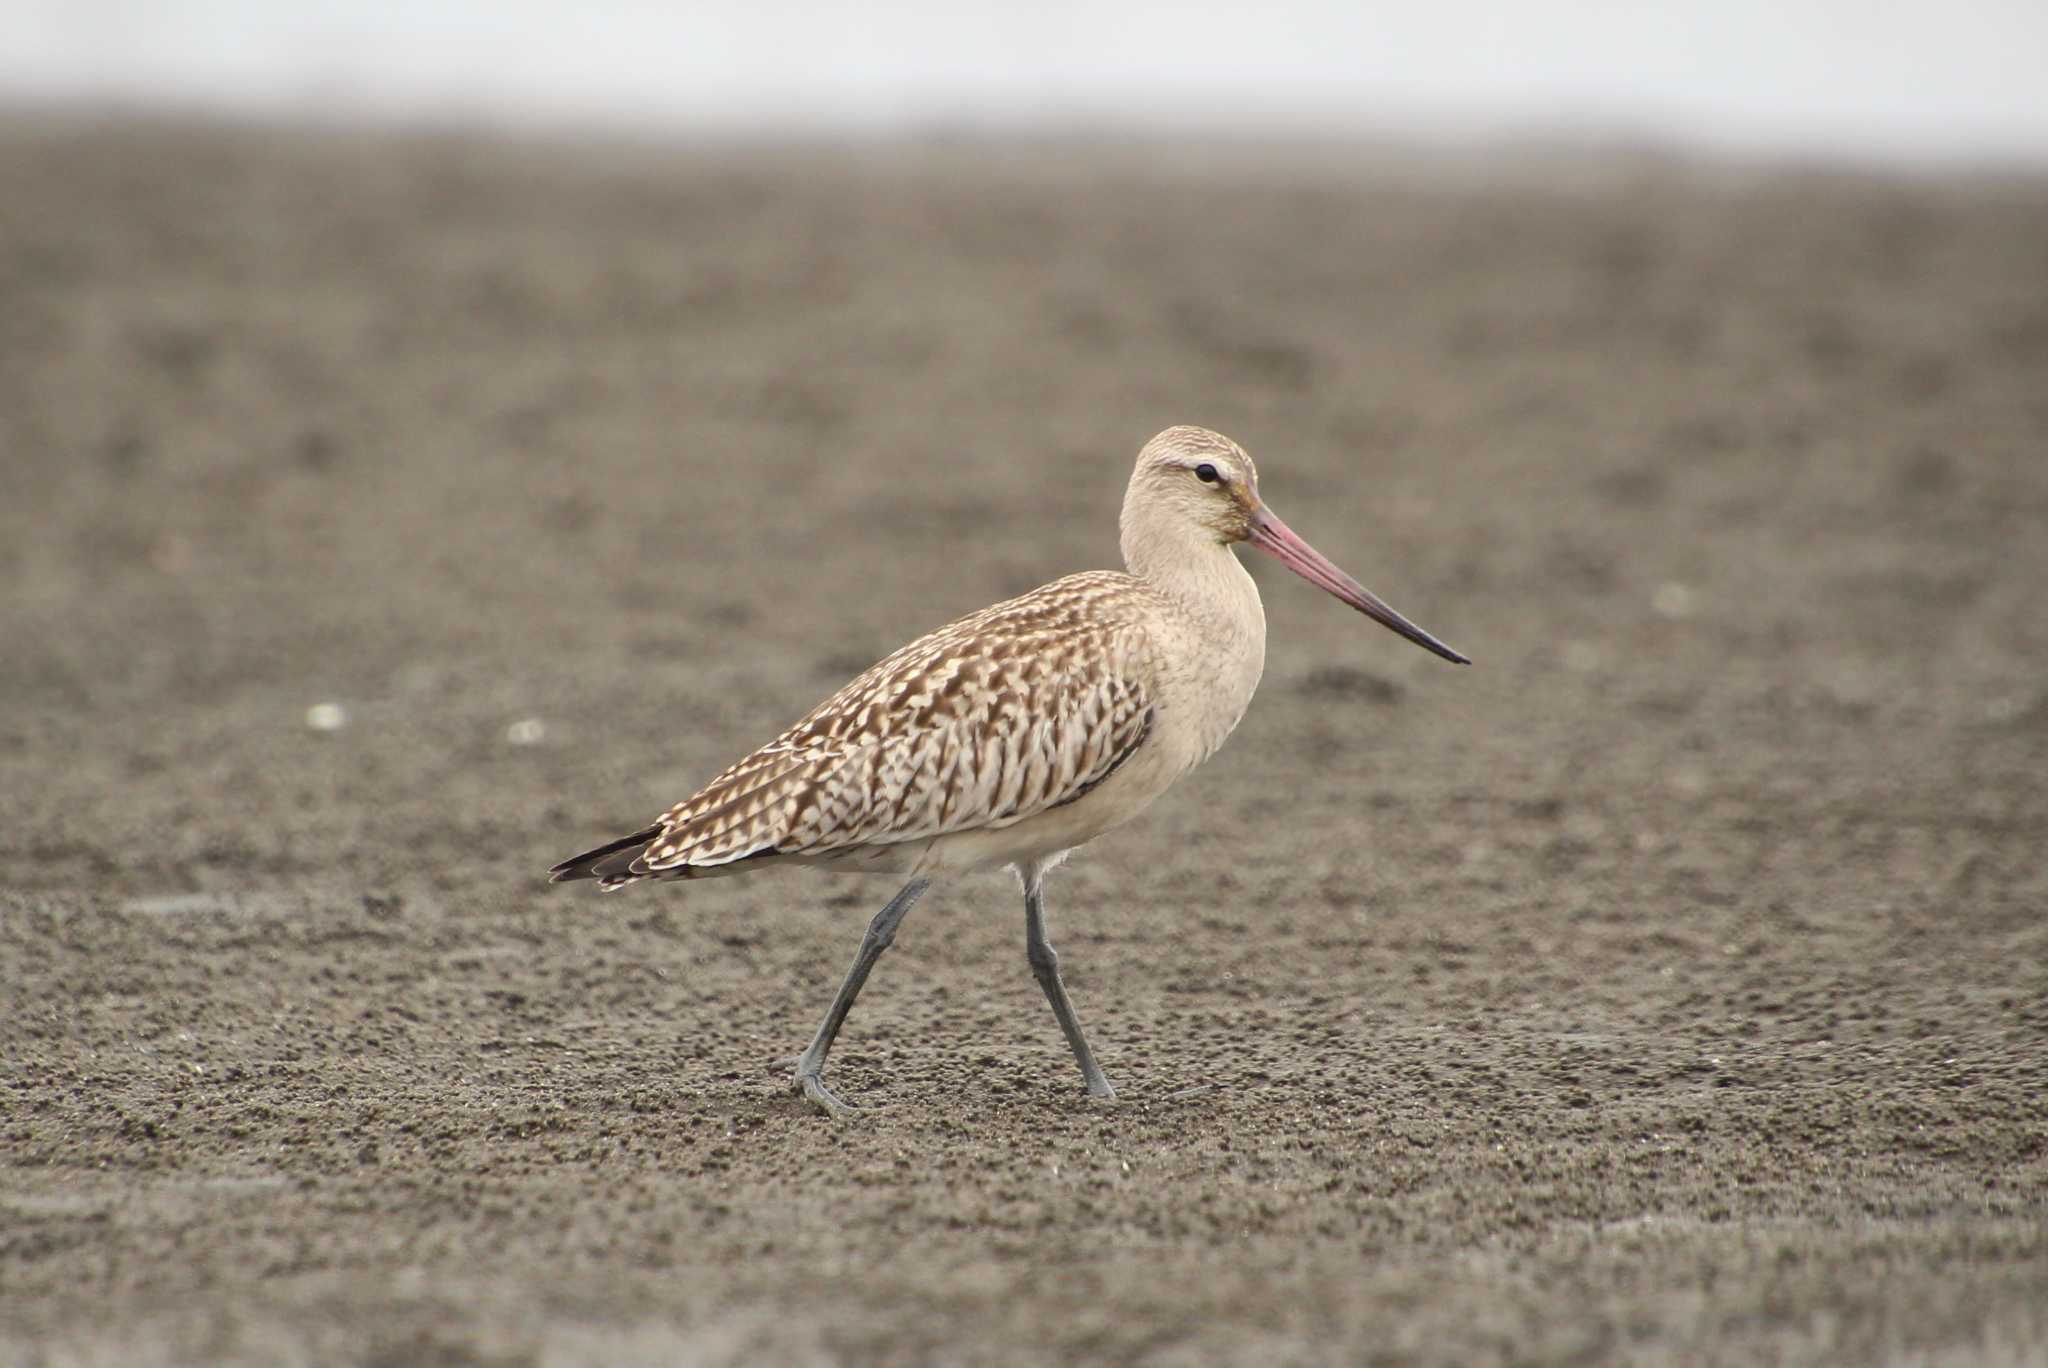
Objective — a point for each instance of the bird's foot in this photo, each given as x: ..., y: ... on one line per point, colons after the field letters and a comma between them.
x: 1099, y: 1089
x: 824, y: 1099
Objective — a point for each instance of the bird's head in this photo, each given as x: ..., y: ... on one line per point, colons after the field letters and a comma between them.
x: 1192, y: 479
x: 1199, y: 477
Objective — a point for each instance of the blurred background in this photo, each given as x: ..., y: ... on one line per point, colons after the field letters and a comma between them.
x: 1914, y: 82
x: 435, y: 438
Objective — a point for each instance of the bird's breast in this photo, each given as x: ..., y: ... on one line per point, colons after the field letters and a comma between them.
x: 1210, y: 670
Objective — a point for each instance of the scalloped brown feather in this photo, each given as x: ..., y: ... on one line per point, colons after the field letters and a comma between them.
x: 995, y: 718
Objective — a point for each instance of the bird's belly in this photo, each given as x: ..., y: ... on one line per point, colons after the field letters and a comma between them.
x: 1196, y: 712
x: 1195, y: 717
x: 1110, y: 804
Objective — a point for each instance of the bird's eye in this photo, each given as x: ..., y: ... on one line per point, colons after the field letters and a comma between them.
x: 1206, y: 473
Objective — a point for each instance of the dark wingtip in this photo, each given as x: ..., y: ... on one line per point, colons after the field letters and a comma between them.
x: 585, y: 866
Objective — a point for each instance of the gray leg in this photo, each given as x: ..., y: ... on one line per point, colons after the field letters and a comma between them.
x: 810, y: 1065
x: 1045, y: 967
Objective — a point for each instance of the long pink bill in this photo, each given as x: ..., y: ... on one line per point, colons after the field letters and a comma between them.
x: 1279, y: 541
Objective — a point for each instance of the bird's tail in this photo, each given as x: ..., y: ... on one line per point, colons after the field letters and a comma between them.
x: 609, y: 863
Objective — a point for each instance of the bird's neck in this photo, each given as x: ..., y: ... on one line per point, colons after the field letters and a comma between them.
x: 1215, y: 639
x: 1201, y: 574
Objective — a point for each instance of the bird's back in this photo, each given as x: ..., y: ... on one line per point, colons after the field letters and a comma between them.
x: 1004, y: 715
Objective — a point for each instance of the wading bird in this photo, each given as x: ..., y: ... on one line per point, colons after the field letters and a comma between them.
x: 1017, y: 733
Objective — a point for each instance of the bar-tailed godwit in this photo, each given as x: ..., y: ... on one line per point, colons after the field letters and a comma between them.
x: 1017, y: 733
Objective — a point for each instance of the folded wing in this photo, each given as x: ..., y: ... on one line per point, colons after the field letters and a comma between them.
x: 982, y: 724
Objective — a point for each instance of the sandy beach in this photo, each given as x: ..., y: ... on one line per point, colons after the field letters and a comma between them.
x: 390, y: 516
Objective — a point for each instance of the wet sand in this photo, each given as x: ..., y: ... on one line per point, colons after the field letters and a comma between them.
x: 1669, y: 986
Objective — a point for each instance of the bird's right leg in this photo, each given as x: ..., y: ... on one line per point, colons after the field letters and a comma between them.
x: 810, y: 1065
x: 1045, y: 967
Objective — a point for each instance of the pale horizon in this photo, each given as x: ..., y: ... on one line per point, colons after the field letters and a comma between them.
x: 1909, y: 84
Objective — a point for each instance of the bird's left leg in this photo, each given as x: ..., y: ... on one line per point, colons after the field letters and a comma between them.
x: 1045, y: 967
x: 810, y: 1065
